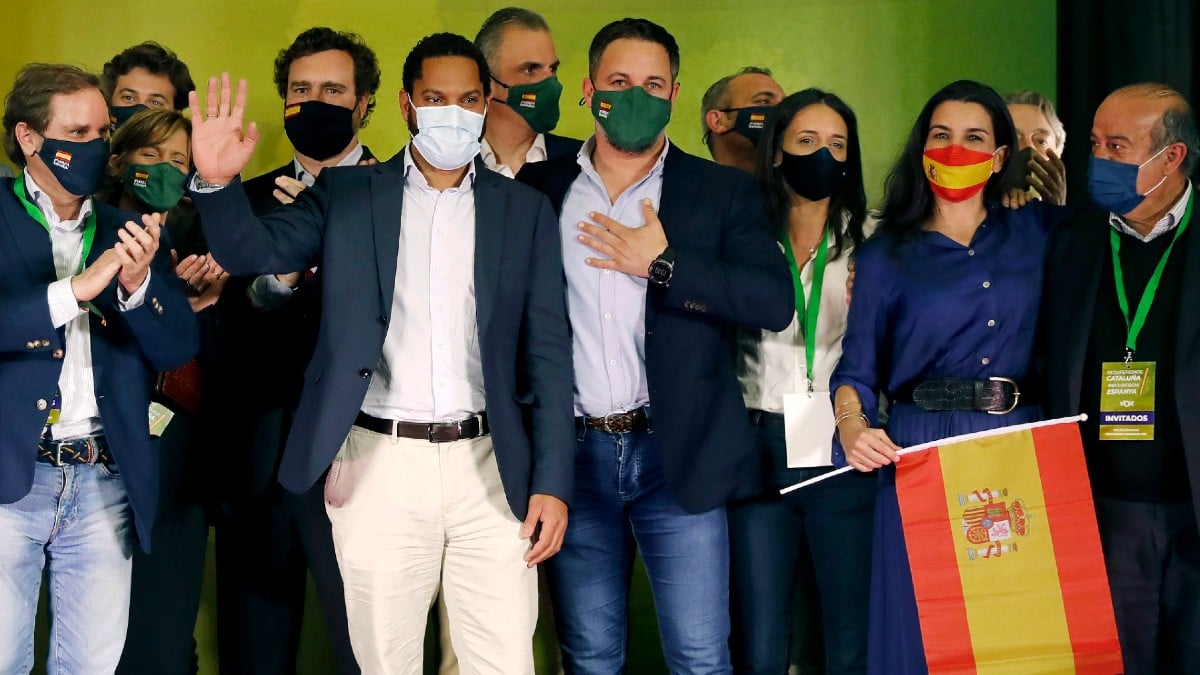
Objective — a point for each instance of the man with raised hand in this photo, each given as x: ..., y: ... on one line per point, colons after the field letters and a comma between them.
x: 440, y: 385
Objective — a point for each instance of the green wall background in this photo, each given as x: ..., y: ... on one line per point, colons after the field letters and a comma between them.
x: 884, y: 57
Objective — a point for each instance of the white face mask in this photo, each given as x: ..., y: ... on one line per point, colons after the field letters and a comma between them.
x: 447, y: 135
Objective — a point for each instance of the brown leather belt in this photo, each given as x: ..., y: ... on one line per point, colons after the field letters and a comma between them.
x: 89, y: 450
x: 618, y: 423
x: 436, y: 432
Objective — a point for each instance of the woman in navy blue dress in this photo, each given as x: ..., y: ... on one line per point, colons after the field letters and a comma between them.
x: 942, y: 323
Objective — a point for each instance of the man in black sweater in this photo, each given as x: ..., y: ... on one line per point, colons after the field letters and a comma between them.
x: 1122, y: 344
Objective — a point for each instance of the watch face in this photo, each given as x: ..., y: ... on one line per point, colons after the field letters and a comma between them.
x: 660, y: 271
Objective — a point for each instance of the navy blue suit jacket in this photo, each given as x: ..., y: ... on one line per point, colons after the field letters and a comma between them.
x: 349, y: 225
x: 728, y: 271
x: 128, y: 350
x: 558, y: 147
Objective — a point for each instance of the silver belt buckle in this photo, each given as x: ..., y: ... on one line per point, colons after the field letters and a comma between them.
x: 606, y: 425
x: 1016, y: 395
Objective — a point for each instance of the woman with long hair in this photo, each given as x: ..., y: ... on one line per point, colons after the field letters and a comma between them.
x: 945, y: 308
x: 810, y: 170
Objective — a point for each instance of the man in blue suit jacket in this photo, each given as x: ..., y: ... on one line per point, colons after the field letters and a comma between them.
x: 664, y: 255
x: 441, y: 291
x: 91, y: 310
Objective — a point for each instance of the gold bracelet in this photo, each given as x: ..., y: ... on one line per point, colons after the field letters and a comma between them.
x: 843, y: 405
x: 852, y: 414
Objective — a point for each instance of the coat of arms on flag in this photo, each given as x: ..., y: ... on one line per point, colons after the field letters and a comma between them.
x: 1005, y: 554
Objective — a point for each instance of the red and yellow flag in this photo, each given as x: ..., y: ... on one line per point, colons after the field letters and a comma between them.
x: 1005, y: 554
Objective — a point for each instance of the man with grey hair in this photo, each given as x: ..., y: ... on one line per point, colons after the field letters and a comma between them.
x: 520, y: 53
x: 1041, y: 138
x: 1120, y: 306
x: 733, y: 112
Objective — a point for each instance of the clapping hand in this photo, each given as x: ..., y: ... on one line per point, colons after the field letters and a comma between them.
x: 220, y: 149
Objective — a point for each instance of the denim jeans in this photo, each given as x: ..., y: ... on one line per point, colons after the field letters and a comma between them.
x: 834, y: 521
x: 76, y: 520
x: 622, y: 502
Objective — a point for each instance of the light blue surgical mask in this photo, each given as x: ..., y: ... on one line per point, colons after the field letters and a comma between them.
x: 1113, y: 184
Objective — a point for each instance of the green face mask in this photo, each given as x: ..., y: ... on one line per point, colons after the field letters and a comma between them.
x: 631, y: 118
x: 158, y: 186
x: 536, y: 103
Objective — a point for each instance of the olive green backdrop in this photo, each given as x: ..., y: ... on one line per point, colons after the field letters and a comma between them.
x: 884, y: 57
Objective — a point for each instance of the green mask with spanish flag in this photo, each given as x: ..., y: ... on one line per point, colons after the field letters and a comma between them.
x: 956, y: 173
x: 158, y: 186
x: 631, y: 118
x: 536, y: 103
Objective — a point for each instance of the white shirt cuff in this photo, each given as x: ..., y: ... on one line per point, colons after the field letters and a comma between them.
x: 63, y: 305
x: 196, y: 185
x: 135, y: 299
x: 267, y: 293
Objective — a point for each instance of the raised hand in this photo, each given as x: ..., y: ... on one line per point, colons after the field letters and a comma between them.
x: 220, y: 149
x: 1048, y: 175
x: 96, y: 277
x: 629, y: 249
x: 136, y: 249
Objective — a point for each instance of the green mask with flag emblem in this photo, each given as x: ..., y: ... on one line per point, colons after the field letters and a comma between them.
x: 158, y: 186
x: 536, y: 103
x: 631, y: 118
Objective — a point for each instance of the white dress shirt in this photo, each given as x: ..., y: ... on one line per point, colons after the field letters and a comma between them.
x: 771, y: 365
x: 607, y: 308
x: 430, y: 370
x: 79, y: 414
x: 536, y: 153
x: 1164, y: 225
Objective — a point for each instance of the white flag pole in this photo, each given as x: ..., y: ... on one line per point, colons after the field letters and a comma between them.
x: 945, y: 441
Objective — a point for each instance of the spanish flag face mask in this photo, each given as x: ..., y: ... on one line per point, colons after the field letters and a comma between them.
x: 956, y: 173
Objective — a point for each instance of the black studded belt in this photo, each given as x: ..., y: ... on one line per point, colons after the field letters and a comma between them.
x: 626, y: 422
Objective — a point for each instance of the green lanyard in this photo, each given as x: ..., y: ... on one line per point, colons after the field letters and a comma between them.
x: 89, y: 223
x: 1134, y: 327
x: 808, y: 319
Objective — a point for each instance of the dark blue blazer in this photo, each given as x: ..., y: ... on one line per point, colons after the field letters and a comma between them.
x: 728, y: 271
x: 128, y: 350
x: 349, y: 225
x: 558, y: 147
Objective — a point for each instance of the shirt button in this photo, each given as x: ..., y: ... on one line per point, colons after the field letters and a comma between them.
x: 57, y: 353
x: 364, y: 373
x: 991, y: 323
x: 608, y: 271
x: 970, y: 251
x: 985, y: 360
x: 608, y: 316
x: 987, y: 284
x: 612, y: 362
x: 41, y: 404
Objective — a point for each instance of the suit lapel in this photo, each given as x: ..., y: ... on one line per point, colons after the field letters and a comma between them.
x: 491, y: 206
x: 387, y: 200
x: 31, y: 239
x: 1084, y: 288
x: 675, y: 204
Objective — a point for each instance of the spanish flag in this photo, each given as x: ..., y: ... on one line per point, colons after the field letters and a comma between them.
x: 1005, y: 554
x: 529, y: 99
x: 959, y: 171
x: 291, y: 111
x: 757, y: 120
x: 605, y: 106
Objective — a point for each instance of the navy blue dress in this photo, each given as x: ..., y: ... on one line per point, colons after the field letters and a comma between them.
x: 936, y: 309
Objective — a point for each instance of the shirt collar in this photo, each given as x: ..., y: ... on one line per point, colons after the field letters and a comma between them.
x: 42, y: 201
x: 585, y: 157
x: 1164, y: 225
x: 353, y: 157
x: 411, y: 170
x: 536, y: 153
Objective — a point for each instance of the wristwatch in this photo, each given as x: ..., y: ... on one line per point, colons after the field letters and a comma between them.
x: 662, y: 267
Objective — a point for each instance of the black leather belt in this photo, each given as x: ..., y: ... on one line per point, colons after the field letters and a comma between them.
x: 436, y: 432
x: 618, y: 423
x: 89, y: 450
x: 995, y: 395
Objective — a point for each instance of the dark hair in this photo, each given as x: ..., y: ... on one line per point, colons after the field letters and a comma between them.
x: 323, y: 39
x: 717, y: 97
x: 633, y: 29
x: 29, y: 99
x: 157, y: 60
x: 444, y: 44
x: 489, y: 36
x: 146, y: 128
x: 849, y: 200
x: 908, y: 200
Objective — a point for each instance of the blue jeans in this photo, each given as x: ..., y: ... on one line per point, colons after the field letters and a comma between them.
x: 76, y: 519
x: 622, y: 501
x: 834, y: 521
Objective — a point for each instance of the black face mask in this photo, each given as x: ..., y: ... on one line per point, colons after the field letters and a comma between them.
x: 814, y: 176
x: 120, y: 114
x: 317, y: 129
x: 750, y: 121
